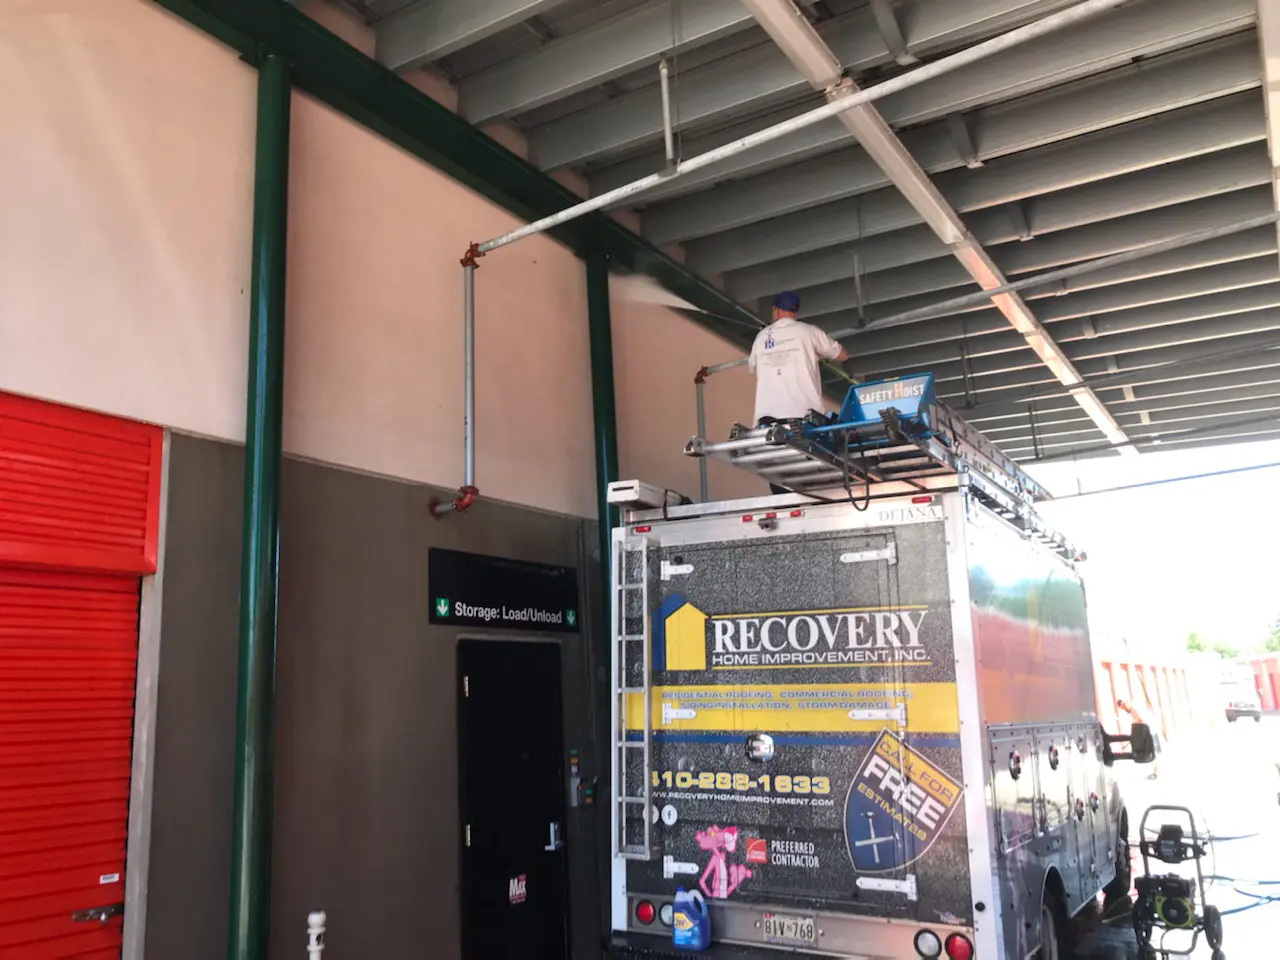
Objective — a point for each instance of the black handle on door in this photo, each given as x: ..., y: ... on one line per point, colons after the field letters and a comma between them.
x: 98, y: 914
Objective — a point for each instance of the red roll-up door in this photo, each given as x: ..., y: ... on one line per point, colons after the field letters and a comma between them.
x: 68, y: 651
x: 79, y: 501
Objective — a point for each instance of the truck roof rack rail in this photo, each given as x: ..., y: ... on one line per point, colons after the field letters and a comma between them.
x: 889, y: 437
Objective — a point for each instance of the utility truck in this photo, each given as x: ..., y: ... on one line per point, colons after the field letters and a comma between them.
x: 859, y: 717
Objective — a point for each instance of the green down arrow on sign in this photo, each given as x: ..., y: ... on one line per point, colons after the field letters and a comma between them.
x: 442, y: 607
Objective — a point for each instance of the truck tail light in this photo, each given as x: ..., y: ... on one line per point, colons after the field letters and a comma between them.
x: 645, y: 912
x: 959, y: 947
x: 928, y: 945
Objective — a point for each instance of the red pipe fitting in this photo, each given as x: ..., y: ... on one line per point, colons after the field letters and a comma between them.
x: 701, y: 376
x: 471, y: 256
x: 459, y: 504
x: 466, y: 497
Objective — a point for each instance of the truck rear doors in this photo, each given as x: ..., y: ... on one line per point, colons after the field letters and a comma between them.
x: 835, y: 652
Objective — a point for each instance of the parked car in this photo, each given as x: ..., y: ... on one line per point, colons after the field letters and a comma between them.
x: 1242, y: 701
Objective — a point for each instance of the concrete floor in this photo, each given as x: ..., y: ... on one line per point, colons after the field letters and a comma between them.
x: 1228, y: 775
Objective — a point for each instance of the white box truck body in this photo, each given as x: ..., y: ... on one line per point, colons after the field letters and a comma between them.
x: 851, y: 723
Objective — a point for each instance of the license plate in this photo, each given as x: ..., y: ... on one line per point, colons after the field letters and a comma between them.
x: 790, y: 929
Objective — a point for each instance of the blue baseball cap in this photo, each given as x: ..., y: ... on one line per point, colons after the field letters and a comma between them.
x: 787, y: 300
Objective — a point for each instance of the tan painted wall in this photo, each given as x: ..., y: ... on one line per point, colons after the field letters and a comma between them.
x: 656, y: 354
x: 375, y: 327
x: 124, y: 260
x: 126, y: 185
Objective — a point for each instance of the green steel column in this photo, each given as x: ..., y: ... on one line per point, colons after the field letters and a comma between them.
x: 259, y: 564
x: 602, y: 405
x: 600, y: 333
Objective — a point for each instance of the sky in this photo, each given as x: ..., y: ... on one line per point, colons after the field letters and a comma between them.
x: 1199, y: 555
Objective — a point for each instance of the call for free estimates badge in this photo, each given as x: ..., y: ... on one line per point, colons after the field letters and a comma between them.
x: 897, y: 806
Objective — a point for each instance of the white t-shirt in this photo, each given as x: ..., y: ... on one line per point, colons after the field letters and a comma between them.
x: 785, y: 359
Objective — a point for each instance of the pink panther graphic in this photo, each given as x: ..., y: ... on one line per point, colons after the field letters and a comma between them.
x: 725, y: 879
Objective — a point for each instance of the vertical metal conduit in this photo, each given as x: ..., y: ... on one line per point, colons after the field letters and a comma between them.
x: 469, y: 372
x: 468, y: 492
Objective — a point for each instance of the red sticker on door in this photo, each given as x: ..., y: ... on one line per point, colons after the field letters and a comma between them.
x: 757, y: 850
x: 517, y: 890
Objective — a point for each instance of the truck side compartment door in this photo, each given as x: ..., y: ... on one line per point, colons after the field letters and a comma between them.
x: 1093, y: 833
x: 1066, y: 837
x: 1015, y: 796
x: 1053, y: 766
x: 1014, y: 785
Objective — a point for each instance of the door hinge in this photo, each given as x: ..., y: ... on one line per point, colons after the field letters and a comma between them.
x: 671, y: 714
x: 889, y: 554
x: 897, y: 714
x: 466, y: 686
x: 884, y: 884
x: 671, y: 867
x: 468, y: 837
x: 670, y: 570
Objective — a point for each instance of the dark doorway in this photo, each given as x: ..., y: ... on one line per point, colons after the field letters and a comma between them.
x: 512, y: 801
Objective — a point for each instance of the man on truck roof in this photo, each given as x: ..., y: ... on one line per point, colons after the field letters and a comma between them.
x: 785, y: 358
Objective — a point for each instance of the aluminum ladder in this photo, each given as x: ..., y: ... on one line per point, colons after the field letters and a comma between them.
x: 633, y: 833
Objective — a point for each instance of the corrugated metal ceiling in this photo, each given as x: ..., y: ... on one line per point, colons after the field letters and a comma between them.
x: 1141, y: 124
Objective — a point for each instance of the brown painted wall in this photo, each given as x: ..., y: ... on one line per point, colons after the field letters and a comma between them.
x: 195, y: 704
x: 366, y: 783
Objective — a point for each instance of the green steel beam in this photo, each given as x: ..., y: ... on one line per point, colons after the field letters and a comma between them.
x: 259, y: 564
x: 335, y: 72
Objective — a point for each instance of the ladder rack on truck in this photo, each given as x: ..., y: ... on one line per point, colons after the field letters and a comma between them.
x: 888, y: 438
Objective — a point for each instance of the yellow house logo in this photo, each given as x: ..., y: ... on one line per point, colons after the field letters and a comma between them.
x: 679, y: 636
